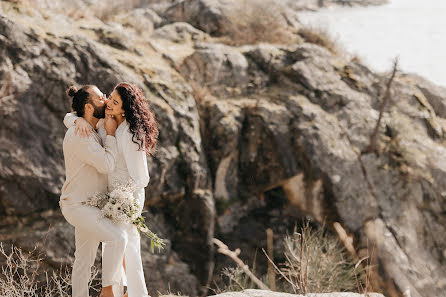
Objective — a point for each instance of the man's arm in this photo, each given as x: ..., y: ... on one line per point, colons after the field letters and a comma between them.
x: 92, y: 153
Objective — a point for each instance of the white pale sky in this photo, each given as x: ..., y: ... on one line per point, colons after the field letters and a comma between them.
x: 414, y: 30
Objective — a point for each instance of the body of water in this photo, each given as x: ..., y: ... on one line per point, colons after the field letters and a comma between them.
x: 414, y: 30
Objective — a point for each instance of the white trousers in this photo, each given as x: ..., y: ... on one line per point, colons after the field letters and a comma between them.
x: 90, y: 229
x: 134, y: 275
x: 136, y: 284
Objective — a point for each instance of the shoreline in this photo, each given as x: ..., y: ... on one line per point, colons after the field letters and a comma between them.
x: 316, y: 5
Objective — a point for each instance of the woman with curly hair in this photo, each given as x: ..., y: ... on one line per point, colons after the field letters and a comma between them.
x: 136, y: 136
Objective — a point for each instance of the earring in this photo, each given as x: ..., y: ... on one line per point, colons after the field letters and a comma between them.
x: 123, y: 115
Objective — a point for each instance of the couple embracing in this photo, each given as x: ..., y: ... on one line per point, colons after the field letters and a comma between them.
x: 106, y: 145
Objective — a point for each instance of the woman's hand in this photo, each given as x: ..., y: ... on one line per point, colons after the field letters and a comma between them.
x: 82, y: 127
x: 110, y: 125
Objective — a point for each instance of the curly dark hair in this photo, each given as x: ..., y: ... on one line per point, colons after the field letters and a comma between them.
x: 140, y: 117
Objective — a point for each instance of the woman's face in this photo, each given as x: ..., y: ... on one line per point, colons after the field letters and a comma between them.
x: 114, y: 104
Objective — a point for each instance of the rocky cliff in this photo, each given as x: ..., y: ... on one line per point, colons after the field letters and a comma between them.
x: 251, y: 137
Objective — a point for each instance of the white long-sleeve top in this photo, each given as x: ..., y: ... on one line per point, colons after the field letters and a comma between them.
x: 87, y: 164
x: 131, y: 163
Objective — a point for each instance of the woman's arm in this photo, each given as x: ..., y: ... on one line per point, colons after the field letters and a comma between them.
x: 82, y: 126
x: 70, y: 119
x: 135, y: 160
x: 101, y: 129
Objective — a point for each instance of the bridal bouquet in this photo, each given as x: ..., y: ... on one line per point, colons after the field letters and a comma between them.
x: 121, y: 207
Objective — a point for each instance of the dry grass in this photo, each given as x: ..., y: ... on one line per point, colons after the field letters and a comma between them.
x: 320, y: 37
x: 170, y: 294
x: 21, y: 276
x: 256, y: 21
x: 237, y: 279
x: 316, y: 262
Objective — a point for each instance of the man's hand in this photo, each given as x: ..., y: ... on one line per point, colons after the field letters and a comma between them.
x: 110, y: 125
x: 82, y: 127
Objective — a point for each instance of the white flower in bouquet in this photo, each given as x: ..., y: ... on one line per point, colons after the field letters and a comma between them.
x: 121, y: 207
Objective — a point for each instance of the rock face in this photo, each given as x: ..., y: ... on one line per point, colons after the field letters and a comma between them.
x: 218, y: 18
x: 316, y: 122
x: 280, y: 133
x: 35, y: 73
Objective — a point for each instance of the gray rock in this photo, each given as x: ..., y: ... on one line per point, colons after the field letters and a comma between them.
x: 434, y: 94
x: 114, y: 35
x: 219, y: 18
x: 148, y: 14
x: 142, y: 20
x: 180, y: 32
x: 217, y: 67
x: 206, y: 15
x: 321, y: 132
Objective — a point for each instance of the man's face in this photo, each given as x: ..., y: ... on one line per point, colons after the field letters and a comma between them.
x: 98, y: 100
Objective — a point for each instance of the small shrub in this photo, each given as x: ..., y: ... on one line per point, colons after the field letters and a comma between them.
x: 237, y: 280
x: 316, y: 262
x: 256, y: 21
x: 170, y: 294
x: 21, y: 276
x: 319, y: 37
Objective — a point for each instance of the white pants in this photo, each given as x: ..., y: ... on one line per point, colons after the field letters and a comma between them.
x: 90, y: 229
x: 136, y: 284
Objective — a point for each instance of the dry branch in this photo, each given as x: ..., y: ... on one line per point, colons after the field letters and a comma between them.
x: 223, y: 249
x: 372, y: 145
x: 270, y: 246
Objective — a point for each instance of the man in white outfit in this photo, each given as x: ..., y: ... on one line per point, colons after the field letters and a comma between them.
x: 87, y: 163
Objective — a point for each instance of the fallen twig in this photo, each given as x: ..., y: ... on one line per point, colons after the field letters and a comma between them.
x: 223, y: 249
